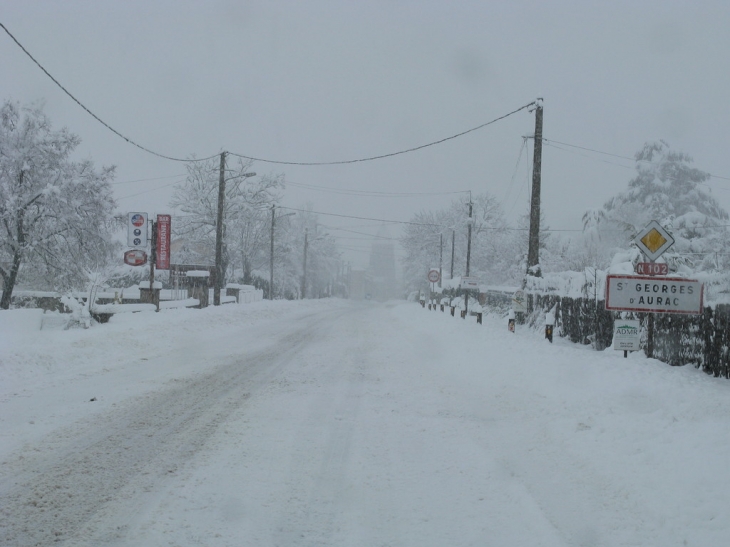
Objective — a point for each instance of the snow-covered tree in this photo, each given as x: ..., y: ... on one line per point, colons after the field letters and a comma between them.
x: 492, y: 253
x: 246, y: 214
x: 323, y: 259
x: 56, y: 215
x: 669, y: 190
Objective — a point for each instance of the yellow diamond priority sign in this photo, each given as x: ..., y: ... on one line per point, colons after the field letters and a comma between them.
x: 653, y: 240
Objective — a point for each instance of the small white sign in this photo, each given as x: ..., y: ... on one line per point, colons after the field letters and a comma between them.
x: 137, y: 230
x: 626, y: 335
x: 519, y: 302
x: 470, y: 283
x: 434, y: 276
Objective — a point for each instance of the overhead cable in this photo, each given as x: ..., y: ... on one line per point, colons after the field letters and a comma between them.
x: 381, y: 156
x: 369, y: 193
x: 361, y: 218
x: 553, y: 142
x: 263, y: 160
x: 97, y: 118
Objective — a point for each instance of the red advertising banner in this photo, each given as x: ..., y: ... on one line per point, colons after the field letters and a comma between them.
x: 163, y: 242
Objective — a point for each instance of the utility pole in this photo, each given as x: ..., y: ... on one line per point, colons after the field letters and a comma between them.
x: 441, y: 256
x: 468, y: 258
x: 271, y: 257
x: 219, y: 234
x: 304, y: 275
x: 533, y: 252
x: 453, y: 243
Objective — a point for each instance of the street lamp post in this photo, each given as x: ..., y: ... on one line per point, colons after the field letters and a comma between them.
x: 304, y: 275
x: 271, y: 256
x: 304, y: 266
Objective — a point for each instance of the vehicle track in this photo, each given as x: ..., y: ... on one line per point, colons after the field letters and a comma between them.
x: 60, y: 490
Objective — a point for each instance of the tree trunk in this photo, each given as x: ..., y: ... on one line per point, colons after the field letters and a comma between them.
x: 9, y: 281
x: 246, y: 271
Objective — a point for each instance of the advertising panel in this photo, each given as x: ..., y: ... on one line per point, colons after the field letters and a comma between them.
x: 137, y: 230
x: 653, y: 294
x: 163, y: 242
x: 627, y: 335
x: 135, y: 257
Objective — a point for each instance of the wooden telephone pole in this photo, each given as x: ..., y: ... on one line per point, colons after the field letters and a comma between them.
x: 533, y: 252
x: 441, y: 257
x: 304, y: 266
x: 219, y: 233
x: 271, y: 256
x: 468, y: 257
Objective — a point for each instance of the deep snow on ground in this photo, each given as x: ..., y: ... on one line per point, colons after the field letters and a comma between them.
x: 350, y: 424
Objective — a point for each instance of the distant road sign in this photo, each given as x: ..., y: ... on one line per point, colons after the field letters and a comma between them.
x: 653, y: 294
x: 469, y: 283
x: 434, y: 276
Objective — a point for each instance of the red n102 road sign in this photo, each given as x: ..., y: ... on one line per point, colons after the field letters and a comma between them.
x: 652, y: 268
x: 434, y: 276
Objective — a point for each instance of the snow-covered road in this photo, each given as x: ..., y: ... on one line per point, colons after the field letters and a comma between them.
x: 333, y: 423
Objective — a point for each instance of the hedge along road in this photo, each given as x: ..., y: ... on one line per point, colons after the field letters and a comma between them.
x: 376, y: 425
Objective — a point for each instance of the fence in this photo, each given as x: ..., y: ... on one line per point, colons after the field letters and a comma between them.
x: 701, y: 340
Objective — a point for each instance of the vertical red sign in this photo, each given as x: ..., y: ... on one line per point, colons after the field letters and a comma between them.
x: 163, y: 242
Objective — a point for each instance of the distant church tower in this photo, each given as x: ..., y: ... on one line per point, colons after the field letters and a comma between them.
x: 382, y: 266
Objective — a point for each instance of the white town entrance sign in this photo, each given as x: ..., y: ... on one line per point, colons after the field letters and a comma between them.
x: 653, y: 294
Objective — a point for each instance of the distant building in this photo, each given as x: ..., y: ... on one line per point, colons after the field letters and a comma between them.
x: 360, y: 285
x: 382, y: 266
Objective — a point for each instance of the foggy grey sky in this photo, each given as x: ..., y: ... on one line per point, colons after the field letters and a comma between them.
x: 327, y: 81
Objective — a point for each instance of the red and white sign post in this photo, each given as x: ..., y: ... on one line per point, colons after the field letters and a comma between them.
x: 137, y: 230
x: 433, y: 277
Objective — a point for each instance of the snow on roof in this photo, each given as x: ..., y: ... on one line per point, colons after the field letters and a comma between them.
x: 146, y: 285
x: 198, y: 273
x: 245, y: 288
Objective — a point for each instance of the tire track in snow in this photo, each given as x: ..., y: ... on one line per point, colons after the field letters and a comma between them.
x: 322, y: 501
x: 84, y: 484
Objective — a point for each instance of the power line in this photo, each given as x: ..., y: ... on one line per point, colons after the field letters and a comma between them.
x: 150, y: 190
x: 549, y: 141
x: 97, y: 118
x: 263, y: 160
x: 359, y: 233
x: 502, y: 228
x: 371, y: 158
x: 145, y: 180
x: 590, y: 157
x: 370, y: 193
x: 362, y: 218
